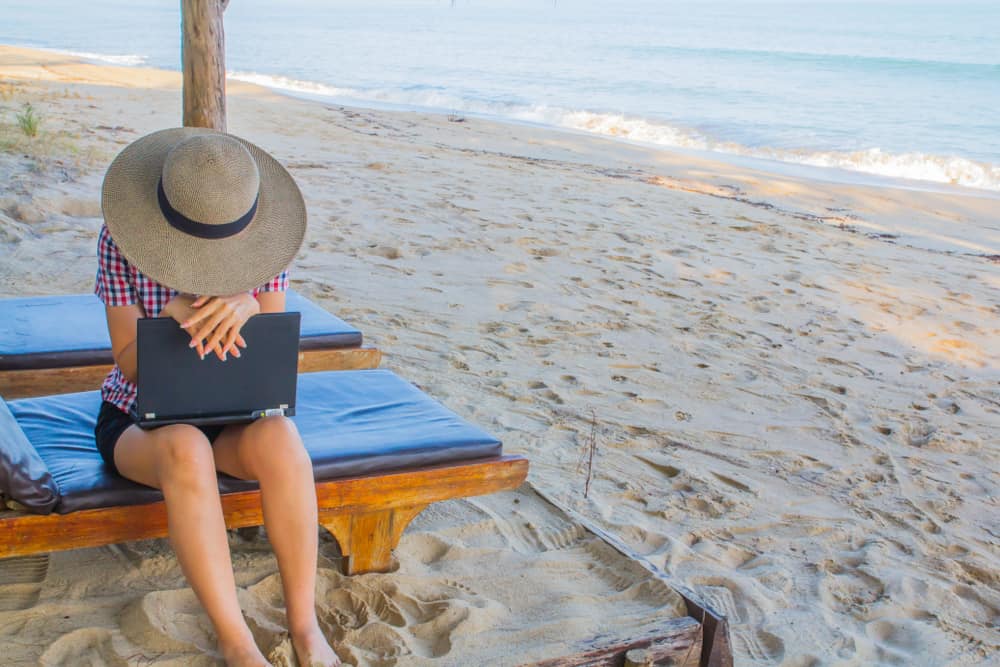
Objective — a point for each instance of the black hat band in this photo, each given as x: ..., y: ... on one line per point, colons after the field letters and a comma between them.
x: 185, y: 224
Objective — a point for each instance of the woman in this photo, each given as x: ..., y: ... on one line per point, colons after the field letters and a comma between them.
x: 190, y: 211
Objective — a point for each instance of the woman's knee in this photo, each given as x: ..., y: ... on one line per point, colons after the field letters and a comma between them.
x: 275, y: 442
x: 184, y: 455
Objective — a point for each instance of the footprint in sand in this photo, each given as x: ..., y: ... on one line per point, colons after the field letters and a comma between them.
x: 168, y: 622
x: 632, y: 581
x: 371, y: 619
x: 543, y: 390
x: 91, y: 646
x: 729, y: 598
x: 654, y: 461
x: 434, y: 609
x: 847, y: 589
x: 896, y: 641
x: 528, y: 525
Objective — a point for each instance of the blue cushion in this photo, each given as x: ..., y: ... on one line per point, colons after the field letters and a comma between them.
x: 60, y: 331
x: 352, y: 423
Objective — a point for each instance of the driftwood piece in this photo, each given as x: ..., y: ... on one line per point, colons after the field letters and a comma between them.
x: 676, y: 643
x: 367, y: 514
x: 46, y: 381
x: 203, y: 61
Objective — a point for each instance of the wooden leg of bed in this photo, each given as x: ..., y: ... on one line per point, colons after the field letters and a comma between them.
x: 367, y: 539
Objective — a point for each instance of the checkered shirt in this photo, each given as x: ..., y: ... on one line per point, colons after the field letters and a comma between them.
x: 120, y: 284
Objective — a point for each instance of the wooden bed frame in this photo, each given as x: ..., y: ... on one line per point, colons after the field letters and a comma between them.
x: 55, y: 379
x: 366, y: 514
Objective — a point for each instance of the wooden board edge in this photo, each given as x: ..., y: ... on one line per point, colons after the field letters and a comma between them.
x: 23, y: 533
x: 717, y: 648
x: 29, y: 383
x: 677, y: 642
x: 339, y: 359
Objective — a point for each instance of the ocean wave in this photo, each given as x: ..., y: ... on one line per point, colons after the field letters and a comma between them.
x: 914, y: 165
x: 127, y: 59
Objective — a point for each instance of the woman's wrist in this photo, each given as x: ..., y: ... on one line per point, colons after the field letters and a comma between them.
x: 254, y: 303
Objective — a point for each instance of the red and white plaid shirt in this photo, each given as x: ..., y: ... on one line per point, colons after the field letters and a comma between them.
x: 120, y: 284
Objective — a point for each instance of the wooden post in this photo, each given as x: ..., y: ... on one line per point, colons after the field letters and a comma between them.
x: 366, y: 539
x: 203, y: 59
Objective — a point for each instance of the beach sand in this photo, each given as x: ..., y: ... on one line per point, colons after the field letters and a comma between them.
x: 792, y: 385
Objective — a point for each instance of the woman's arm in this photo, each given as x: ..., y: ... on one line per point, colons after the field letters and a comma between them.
x: 122, y: 329
x: 271, y: 302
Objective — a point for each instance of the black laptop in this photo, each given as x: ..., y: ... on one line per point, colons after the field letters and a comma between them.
x: 176, y: 386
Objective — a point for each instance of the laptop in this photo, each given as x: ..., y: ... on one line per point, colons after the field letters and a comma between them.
x: 176, y: 386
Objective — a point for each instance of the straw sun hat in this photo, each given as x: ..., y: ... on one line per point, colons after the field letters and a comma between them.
x: 202, y: 211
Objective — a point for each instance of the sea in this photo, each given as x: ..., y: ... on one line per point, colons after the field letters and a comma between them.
x: 879, y: 88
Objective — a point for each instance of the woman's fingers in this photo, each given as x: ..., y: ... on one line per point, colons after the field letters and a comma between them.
x: 238, y: 342
x: 211, y: 324
x: 217, y: 322
x: 231, y: 342
x: 204, y: 307
x: 223, y: 329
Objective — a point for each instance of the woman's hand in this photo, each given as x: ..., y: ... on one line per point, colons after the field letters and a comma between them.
x: 179, y: 308
x: 216, y: 322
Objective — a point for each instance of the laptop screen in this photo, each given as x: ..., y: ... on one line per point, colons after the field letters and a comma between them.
x: 174, y: 383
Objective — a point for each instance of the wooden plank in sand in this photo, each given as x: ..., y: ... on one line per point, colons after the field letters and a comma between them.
x: 717, y: 649
x: 366, y: 514
x: 677, y: 643
x: 45, y: 381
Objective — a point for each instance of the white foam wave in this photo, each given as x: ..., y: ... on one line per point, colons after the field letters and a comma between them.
x: 915, y: 166
x: 290, y: 85
x: 128, y: 59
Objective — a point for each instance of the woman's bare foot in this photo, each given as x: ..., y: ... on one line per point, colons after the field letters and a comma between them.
x: 312, y: 649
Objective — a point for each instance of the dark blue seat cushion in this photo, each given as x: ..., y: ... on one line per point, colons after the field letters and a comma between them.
x: 60, y: 331
x: 352, y: 423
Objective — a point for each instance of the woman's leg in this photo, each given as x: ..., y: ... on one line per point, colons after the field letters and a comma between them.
x: 271, y: 451
x: 178, y: 460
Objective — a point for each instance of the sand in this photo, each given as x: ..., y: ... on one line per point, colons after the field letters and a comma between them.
x: 792, y: 384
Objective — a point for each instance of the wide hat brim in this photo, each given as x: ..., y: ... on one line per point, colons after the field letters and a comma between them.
x: 186, y: 263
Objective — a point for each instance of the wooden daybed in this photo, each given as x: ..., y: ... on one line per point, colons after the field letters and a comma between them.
x: 60, y: 345
x: 366, y: 514
x: 382, y: 451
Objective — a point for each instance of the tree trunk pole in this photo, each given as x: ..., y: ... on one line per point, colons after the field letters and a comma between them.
x: 203, y: 58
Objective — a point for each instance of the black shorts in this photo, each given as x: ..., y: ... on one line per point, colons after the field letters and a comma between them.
x: 112, y: 422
